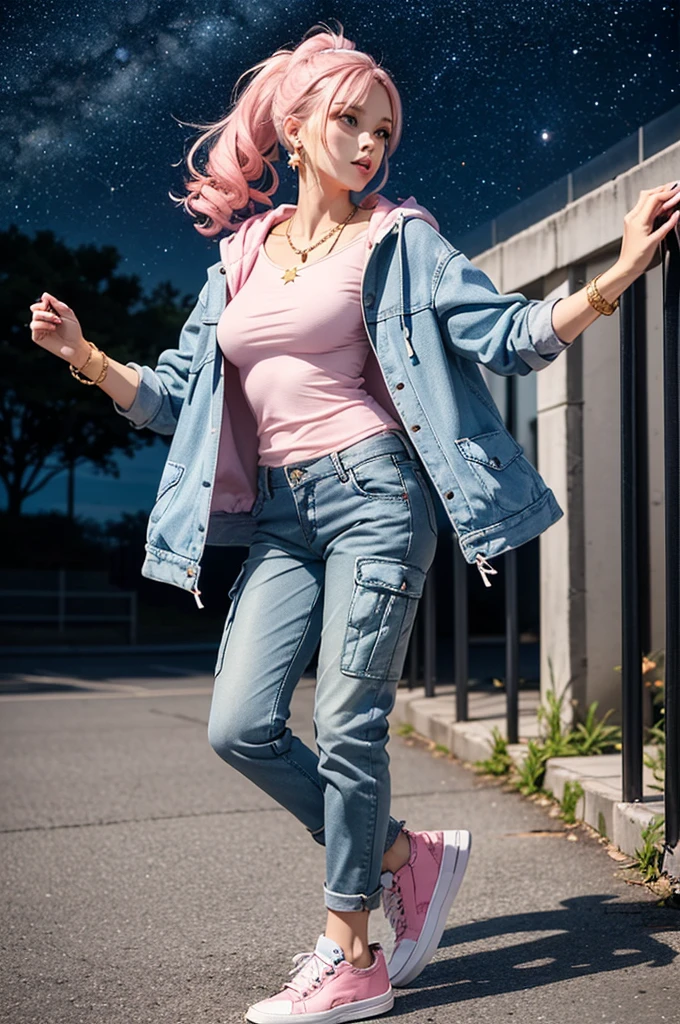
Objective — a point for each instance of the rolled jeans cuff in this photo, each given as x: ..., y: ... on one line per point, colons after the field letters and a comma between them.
x: 345, y: 903
x: 393, y: 830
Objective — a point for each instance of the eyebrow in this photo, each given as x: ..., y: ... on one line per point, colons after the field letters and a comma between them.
x: 353, y: 106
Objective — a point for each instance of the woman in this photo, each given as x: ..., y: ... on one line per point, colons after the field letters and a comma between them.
x: 316, y: 403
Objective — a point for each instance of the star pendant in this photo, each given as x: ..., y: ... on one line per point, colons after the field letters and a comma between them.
x: 289, y: 275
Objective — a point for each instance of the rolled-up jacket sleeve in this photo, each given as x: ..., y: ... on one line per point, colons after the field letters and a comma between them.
x: 508, y: 333
x: 161, y: 391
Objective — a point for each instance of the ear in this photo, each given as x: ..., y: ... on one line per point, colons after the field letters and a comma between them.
x: 290, y: 126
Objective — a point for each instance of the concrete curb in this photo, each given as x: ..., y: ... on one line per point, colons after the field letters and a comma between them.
x: 600, y: 806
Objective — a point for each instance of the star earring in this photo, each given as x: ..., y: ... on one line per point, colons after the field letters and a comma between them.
x: 296, y: 157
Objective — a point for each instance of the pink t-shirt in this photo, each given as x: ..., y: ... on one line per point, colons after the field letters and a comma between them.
x: 300, y: 348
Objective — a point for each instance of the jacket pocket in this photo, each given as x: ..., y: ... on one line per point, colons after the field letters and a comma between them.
x: 172, y: 474
x: 233, y: 597
x: 494, y: 450
x: 380, y: 618
x: 498, y: 472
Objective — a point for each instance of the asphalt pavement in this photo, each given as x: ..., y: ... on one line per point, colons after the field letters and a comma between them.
x: 145, y: 881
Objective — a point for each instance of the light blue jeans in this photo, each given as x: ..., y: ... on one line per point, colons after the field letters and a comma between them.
x: 340, y: 554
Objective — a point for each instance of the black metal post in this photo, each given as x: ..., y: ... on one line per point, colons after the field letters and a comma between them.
x: 430, y: 630
x: 633, y: 470
x: 511, y: 647
x: 460, y: 632
x: 511, y: 600
x: 671, y: 301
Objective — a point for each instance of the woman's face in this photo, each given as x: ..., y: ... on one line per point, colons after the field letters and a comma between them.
x: 357, y: 135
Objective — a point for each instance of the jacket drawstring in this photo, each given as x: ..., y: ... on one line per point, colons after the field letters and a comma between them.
x: 485, y: 569
x: 402, y: 316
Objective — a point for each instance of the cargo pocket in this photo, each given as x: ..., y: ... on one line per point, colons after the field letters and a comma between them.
x: 381, y: 613
x: 233, y: 596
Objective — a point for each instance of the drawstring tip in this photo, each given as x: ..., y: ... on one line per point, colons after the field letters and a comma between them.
x: 409, y: 347
x: 485, y: 569
x: 197, y: 598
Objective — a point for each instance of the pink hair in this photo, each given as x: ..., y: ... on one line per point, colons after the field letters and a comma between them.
x: 304, y: 82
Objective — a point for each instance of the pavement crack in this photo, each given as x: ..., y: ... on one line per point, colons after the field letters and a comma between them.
x: 182, y: 718
x: 141, y: 821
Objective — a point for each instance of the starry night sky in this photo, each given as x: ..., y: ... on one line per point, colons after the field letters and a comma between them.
x: 500, y: 99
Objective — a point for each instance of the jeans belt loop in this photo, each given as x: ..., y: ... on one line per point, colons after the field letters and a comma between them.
x: 339, y: 468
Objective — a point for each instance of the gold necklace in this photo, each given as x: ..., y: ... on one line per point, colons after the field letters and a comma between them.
x: 292, y: 272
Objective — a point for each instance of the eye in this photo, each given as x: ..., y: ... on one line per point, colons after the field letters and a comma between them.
x: 384, y: 131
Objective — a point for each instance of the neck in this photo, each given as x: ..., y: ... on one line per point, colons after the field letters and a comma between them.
x: 318, y: 212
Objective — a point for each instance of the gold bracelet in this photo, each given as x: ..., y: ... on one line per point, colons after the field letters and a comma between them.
x: 597, y: 301
x: 86, y: 380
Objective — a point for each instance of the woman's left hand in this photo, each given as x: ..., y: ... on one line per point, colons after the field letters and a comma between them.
x: 640, y: 241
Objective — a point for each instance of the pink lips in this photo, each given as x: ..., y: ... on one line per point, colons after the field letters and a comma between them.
x: 365, y: 167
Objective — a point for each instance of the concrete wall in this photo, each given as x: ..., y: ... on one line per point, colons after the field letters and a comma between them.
x: 577, y: 404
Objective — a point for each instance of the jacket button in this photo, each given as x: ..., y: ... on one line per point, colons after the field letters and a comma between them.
x: 201, y: 528
x: 449, y: 494
x: 400, y: 387
x: 416, y: 427
x: 496, y: 461
x: 206, y: 483
x: 369, y: 299
x: 223, y: 270
x: 191, y: 572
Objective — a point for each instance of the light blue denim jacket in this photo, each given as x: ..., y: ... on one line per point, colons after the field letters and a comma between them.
x: 431, y: 317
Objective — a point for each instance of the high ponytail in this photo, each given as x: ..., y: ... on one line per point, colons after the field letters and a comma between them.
x: 239, y: 171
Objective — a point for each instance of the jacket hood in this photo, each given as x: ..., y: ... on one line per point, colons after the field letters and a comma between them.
x: 238, y: 251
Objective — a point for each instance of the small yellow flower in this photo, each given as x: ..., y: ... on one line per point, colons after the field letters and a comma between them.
x: 647, y: 664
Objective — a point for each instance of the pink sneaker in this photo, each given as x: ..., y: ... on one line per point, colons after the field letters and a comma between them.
x: 417, y: 898
x: 326, y: 987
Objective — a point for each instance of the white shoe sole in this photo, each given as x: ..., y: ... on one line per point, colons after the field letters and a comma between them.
x: 457, y: 845
x: 360, y: 1010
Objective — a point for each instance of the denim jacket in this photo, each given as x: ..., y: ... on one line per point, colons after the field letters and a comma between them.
x: 432, y: 317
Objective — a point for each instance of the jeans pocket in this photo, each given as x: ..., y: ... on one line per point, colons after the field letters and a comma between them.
x: 378, y: 477
x: 381, y: 614
x: 233, y: 596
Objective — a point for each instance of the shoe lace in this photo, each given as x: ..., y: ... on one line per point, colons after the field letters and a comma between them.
x: 393, y: 905
x: 307, y: 973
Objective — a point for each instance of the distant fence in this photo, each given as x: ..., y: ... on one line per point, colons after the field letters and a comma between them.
x: 61, y: 599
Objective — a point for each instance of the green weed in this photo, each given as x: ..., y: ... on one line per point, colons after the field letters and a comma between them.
x: 594, y: 736
x: 405, y: 729
x: 573, y: 791
x: 648, y: 856
x: 500, y: 762
x: 531, y: 772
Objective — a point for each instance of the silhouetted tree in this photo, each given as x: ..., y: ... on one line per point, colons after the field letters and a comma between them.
x: 50, y: 423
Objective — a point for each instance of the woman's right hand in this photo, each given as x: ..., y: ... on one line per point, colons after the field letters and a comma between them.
x: 55, y: 327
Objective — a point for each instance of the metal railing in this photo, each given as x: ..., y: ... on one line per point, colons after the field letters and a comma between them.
x: 635, y: 596
x: 62, y: 606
